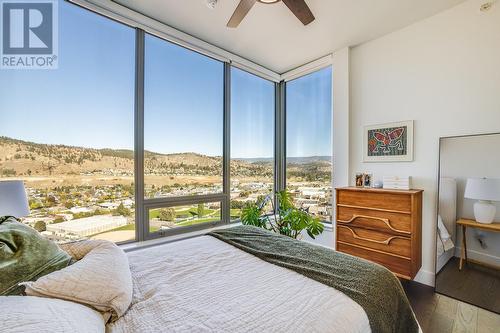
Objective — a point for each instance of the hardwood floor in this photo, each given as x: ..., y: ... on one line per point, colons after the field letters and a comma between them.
x: 441, y: 314
x: 475, y: 284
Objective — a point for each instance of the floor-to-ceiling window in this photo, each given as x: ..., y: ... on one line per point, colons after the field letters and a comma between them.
x: 183, y: 121
x: 183, y: 134
x: 309, y: 142
x: 252, y: 139
x: 69, y: 132
x: 128, y: 139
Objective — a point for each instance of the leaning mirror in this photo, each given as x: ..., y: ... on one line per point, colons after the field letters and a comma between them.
x: 468, y: 222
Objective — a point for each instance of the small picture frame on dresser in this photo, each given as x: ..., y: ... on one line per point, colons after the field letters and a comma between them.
x: 359, y: 181
x: 367, y: 180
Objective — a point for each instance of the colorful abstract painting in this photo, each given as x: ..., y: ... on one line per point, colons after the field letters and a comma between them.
x: 389, y: 142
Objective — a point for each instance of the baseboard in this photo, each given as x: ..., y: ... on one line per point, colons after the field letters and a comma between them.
x: 480, y: 257
x: 428, y: 278
x: 425, y: 277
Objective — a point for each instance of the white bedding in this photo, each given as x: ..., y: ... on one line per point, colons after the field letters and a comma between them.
x: 205, y: 285
x: 30, y: 314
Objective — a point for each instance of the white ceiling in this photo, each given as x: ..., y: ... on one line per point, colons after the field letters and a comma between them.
x: 272, y: 37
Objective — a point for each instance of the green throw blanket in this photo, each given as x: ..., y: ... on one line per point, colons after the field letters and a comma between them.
x: 372, y: 286
x: 25, y: 256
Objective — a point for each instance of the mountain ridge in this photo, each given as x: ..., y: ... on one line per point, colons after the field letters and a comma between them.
x: 26, y: 158
x: 19, y: 157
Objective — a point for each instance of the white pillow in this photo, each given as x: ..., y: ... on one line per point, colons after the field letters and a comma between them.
x: 100, y: 278
x: 27, y: 314
x: 444, y: 235
x: 443, y: 232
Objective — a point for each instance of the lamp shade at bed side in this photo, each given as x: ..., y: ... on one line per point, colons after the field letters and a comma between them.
x: 13, y: 199
x: 484, y: 190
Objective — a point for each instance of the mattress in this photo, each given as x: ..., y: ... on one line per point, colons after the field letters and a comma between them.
x: 205, y: 285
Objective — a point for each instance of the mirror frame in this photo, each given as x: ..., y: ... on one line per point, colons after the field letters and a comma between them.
x: 437, y: 208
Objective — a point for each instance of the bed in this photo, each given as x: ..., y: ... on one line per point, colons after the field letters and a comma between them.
x: 213, y: 286
x: 238, y: 279
x: 446, y: 232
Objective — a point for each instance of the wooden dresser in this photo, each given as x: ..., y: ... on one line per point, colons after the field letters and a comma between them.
x: 384, y: 226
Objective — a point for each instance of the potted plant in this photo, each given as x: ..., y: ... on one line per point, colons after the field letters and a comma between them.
x: 286, y: 219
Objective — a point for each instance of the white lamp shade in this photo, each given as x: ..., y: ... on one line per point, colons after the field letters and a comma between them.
x: 13, y: 199
x: 487, y: 189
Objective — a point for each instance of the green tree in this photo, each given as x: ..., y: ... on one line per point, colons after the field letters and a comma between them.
x: 201, y: 210
x: 9, y: 172
x: 167, y: 214
x: 69, y: 204
x: 40, y: 226
x: 237, y: 204
x: 122, y: 210
x: 35, y: 204
x: 50, y: 201
x: 58, y: 219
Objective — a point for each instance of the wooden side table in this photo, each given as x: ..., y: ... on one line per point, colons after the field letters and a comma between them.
x: 494, y: 227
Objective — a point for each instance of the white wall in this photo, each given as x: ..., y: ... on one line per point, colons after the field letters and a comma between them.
x: 482, y: 160
x: 341, y: 108
x: 444, y: 73
x: 325, y: 239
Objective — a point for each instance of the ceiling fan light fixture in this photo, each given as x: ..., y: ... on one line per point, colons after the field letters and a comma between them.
x: 269, y: 2
x: 211, y: 4
x: 299, y: 8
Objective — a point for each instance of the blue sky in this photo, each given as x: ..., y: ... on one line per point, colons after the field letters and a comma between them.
x: 89, y: 100
x: 309, y: 116
x: 252, y: 115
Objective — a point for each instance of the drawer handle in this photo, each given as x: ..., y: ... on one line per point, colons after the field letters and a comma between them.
x: 386, y: 222
x: 385, y: 242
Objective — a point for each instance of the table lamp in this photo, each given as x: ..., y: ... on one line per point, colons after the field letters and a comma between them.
x: 13, y: 199
x: 485, y: 190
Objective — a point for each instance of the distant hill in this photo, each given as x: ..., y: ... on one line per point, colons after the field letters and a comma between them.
x: 30, y: 158
x: 293, y: 160
x: 24, y: 158
x: 309, y: 159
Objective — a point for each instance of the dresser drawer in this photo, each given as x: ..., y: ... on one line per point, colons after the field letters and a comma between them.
x: 377, y: 240
x: 397, y: 223
x: 383, y: 226
x: 397, y: 265
x: 376, y: 200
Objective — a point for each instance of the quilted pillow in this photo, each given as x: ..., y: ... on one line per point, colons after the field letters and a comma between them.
x: 25, y: 255
x: 25, y: 314
x: 100, y: 279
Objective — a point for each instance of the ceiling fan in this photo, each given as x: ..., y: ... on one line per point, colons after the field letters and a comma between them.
x: 298, y: 7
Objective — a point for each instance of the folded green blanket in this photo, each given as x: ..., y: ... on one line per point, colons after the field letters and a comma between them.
x: 372, y: 286
x: 25, y: 256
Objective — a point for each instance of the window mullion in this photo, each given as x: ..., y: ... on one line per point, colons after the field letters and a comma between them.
x: 184, y: 200
x: 226, y: 168
x: 142, y: 223
x: 280, y: 135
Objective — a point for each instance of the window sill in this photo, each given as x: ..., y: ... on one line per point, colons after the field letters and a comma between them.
x: 134, y: 246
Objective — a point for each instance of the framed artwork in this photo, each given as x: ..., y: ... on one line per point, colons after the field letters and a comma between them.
x: 391, y: 142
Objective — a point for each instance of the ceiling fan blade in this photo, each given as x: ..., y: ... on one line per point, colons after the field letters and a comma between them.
x: 240, y: 12
x: 300, y: 9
